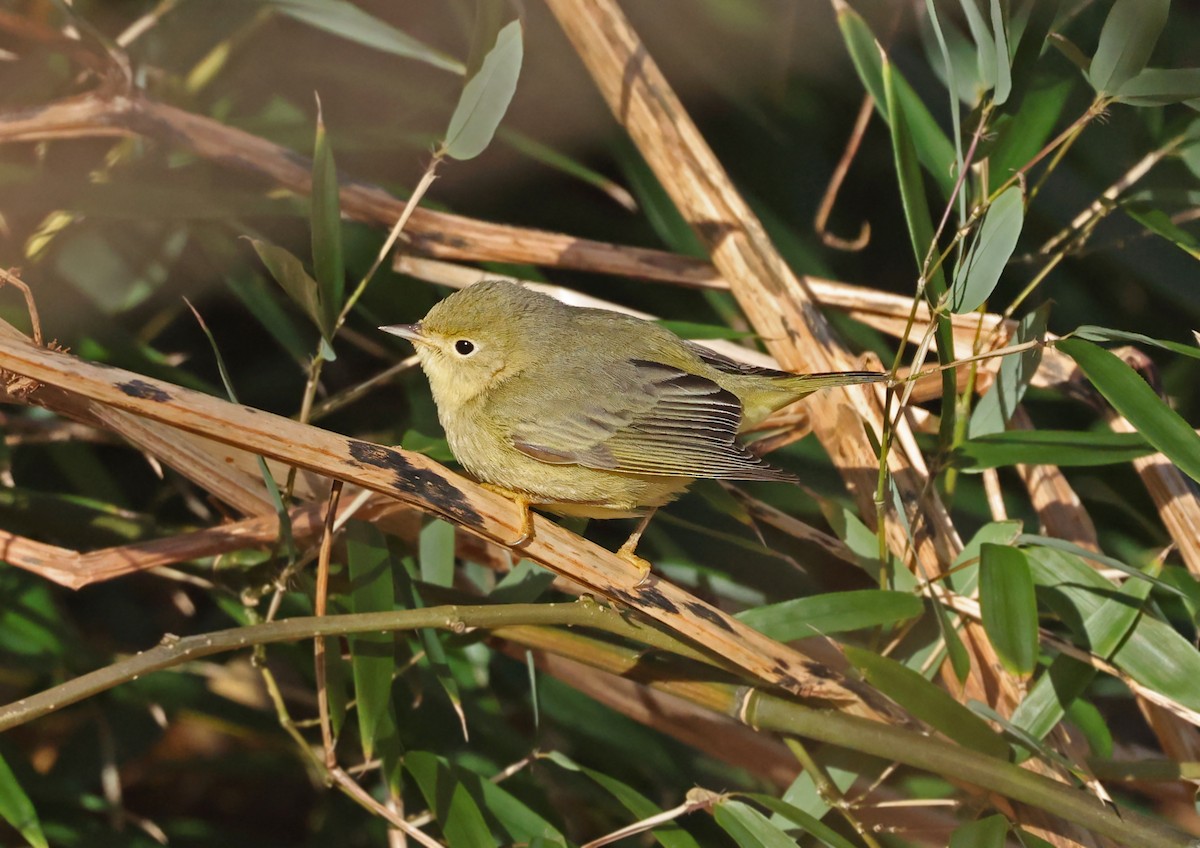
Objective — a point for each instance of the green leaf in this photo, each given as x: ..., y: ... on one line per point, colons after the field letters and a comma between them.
x: 694, y: 330
x: 1044, y: 707
x: 1161, y: 86
x: 1029, y: 49
x: 1088, y: 554
x: 1003, y: 73
x: 1154, y: 654
x: 559, y: 161
x: 1050, y: 447
x: 373, y: 654
x: 932, y: 146
x: 1130, y: 32
x: 434, y: 447
x: 1021, y: 134
x: 436, y: 552
x: 1104, y: 334
x: 289, y: 272
x: 450, y: 801
x: 809, y: 824
x: 1009, y: 607
x: 748, y: 827
x: 921, y: 234
x: 261, y: 302
x: 1159, y: 222
x: 927, y: 702
x: 524, y: 584
x: 326, y: 223
x: 833, y: 612
x: 344, y: 19
x: 985, y: 44
x: 1131, y: 396
x: 976, y: 277
x: 669, y: 835
x: 486, y: 96
x: 17, y: 809
x: 985, y: 833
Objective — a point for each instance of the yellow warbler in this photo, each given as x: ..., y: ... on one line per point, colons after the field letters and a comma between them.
x: 589, y: 412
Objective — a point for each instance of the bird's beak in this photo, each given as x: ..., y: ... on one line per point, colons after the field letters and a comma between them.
x: 412, y: 332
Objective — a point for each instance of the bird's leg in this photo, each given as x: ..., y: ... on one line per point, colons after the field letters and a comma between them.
x: 523, y: 502
x: 626, y: 551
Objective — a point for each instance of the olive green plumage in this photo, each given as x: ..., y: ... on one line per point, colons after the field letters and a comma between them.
x: 591, y: 412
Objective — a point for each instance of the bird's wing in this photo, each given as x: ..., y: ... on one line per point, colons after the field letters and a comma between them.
x: 654, y: 419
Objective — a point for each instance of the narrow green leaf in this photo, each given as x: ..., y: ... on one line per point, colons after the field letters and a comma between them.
x: 18, y: 810
x: 1159, y: 222
x: 261, y: 302
x: 559, y: 161
x: 1009, y: 607
x: 450, y: 801
x: 436, y: 552
x: 1023, y: 132
x: 1083, y: 553
x: 985, y: 833
x: 1050, y: 447
x: 809, y: 824
x: 374, y: 659
x: 1161, y: 86
x: 325, y: 219
x: 1130, y: 32
x: 833, y: 612
x: 289, y: 272
x: 921, y: 234
x: 344, y: 19
x: 927, y: 702
x: 976, y: 277
x: 1131, y: 396
x: 1003, y: 72
x: 748, y: 827
x: 1044, y: 707
x: 486, y: 96
x: 669, y: 835
x: 1084, y: 715
x: 985, y: 44
x: 1104, y: 334
x: 932, y: 146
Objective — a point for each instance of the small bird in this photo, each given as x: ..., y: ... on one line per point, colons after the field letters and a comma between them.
x: 588, y: 412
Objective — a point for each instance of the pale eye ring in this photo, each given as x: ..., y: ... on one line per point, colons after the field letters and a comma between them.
x: 464, y: 347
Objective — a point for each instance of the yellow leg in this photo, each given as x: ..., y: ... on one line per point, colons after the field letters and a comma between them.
x: 523, y: 502
x: 626, y: 551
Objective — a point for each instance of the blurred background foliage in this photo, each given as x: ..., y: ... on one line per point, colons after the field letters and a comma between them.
x: 113, y: 233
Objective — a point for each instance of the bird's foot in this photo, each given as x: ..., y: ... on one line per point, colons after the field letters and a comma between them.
x: 523, y: 502
x: 643, y: 566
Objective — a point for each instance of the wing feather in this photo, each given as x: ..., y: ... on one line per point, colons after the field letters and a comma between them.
x: 657, y: 420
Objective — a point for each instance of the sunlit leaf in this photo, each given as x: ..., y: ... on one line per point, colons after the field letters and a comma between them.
x: 486, y: 96
x: 833, y: 612
x: 977, y: 276
x: 1009, y: 607
x: 1131, y: 396
x: 436, y: 552
x: 927, y: 702
x: 809, y: 824
x: 1107, y: 334
x: 1130, y: 32
x: 1160, y: 223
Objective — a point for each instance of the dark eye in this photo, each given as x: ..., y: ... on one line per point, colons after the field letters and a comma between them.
x: 464, y: 347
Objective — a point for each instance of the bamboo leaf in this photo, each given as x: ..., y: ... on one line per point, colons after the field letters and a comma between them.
x: 976, y: 278
x: 748, y: 827
x: 450, y: 801
x: 486, y: 96
x: 1105, y: 334
x: 1009, y: 607
x: 927, y: 702
x: 1130, y: 395
x: 373, y: 655
x: 289, y: 272
x: 1130, y: 32
x: 985, y: 833
x: 1050, y: 447
x: 18, y: 810
x: 325, y: 219
x: 809, y: 824
x: 344, y: 19
x: 833, y: 612
x: 436, y: 552
x: 1161, y: 86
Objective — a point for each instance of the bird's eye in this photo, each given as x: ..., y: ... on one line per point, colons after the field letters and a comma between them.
x: 464, y: 347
